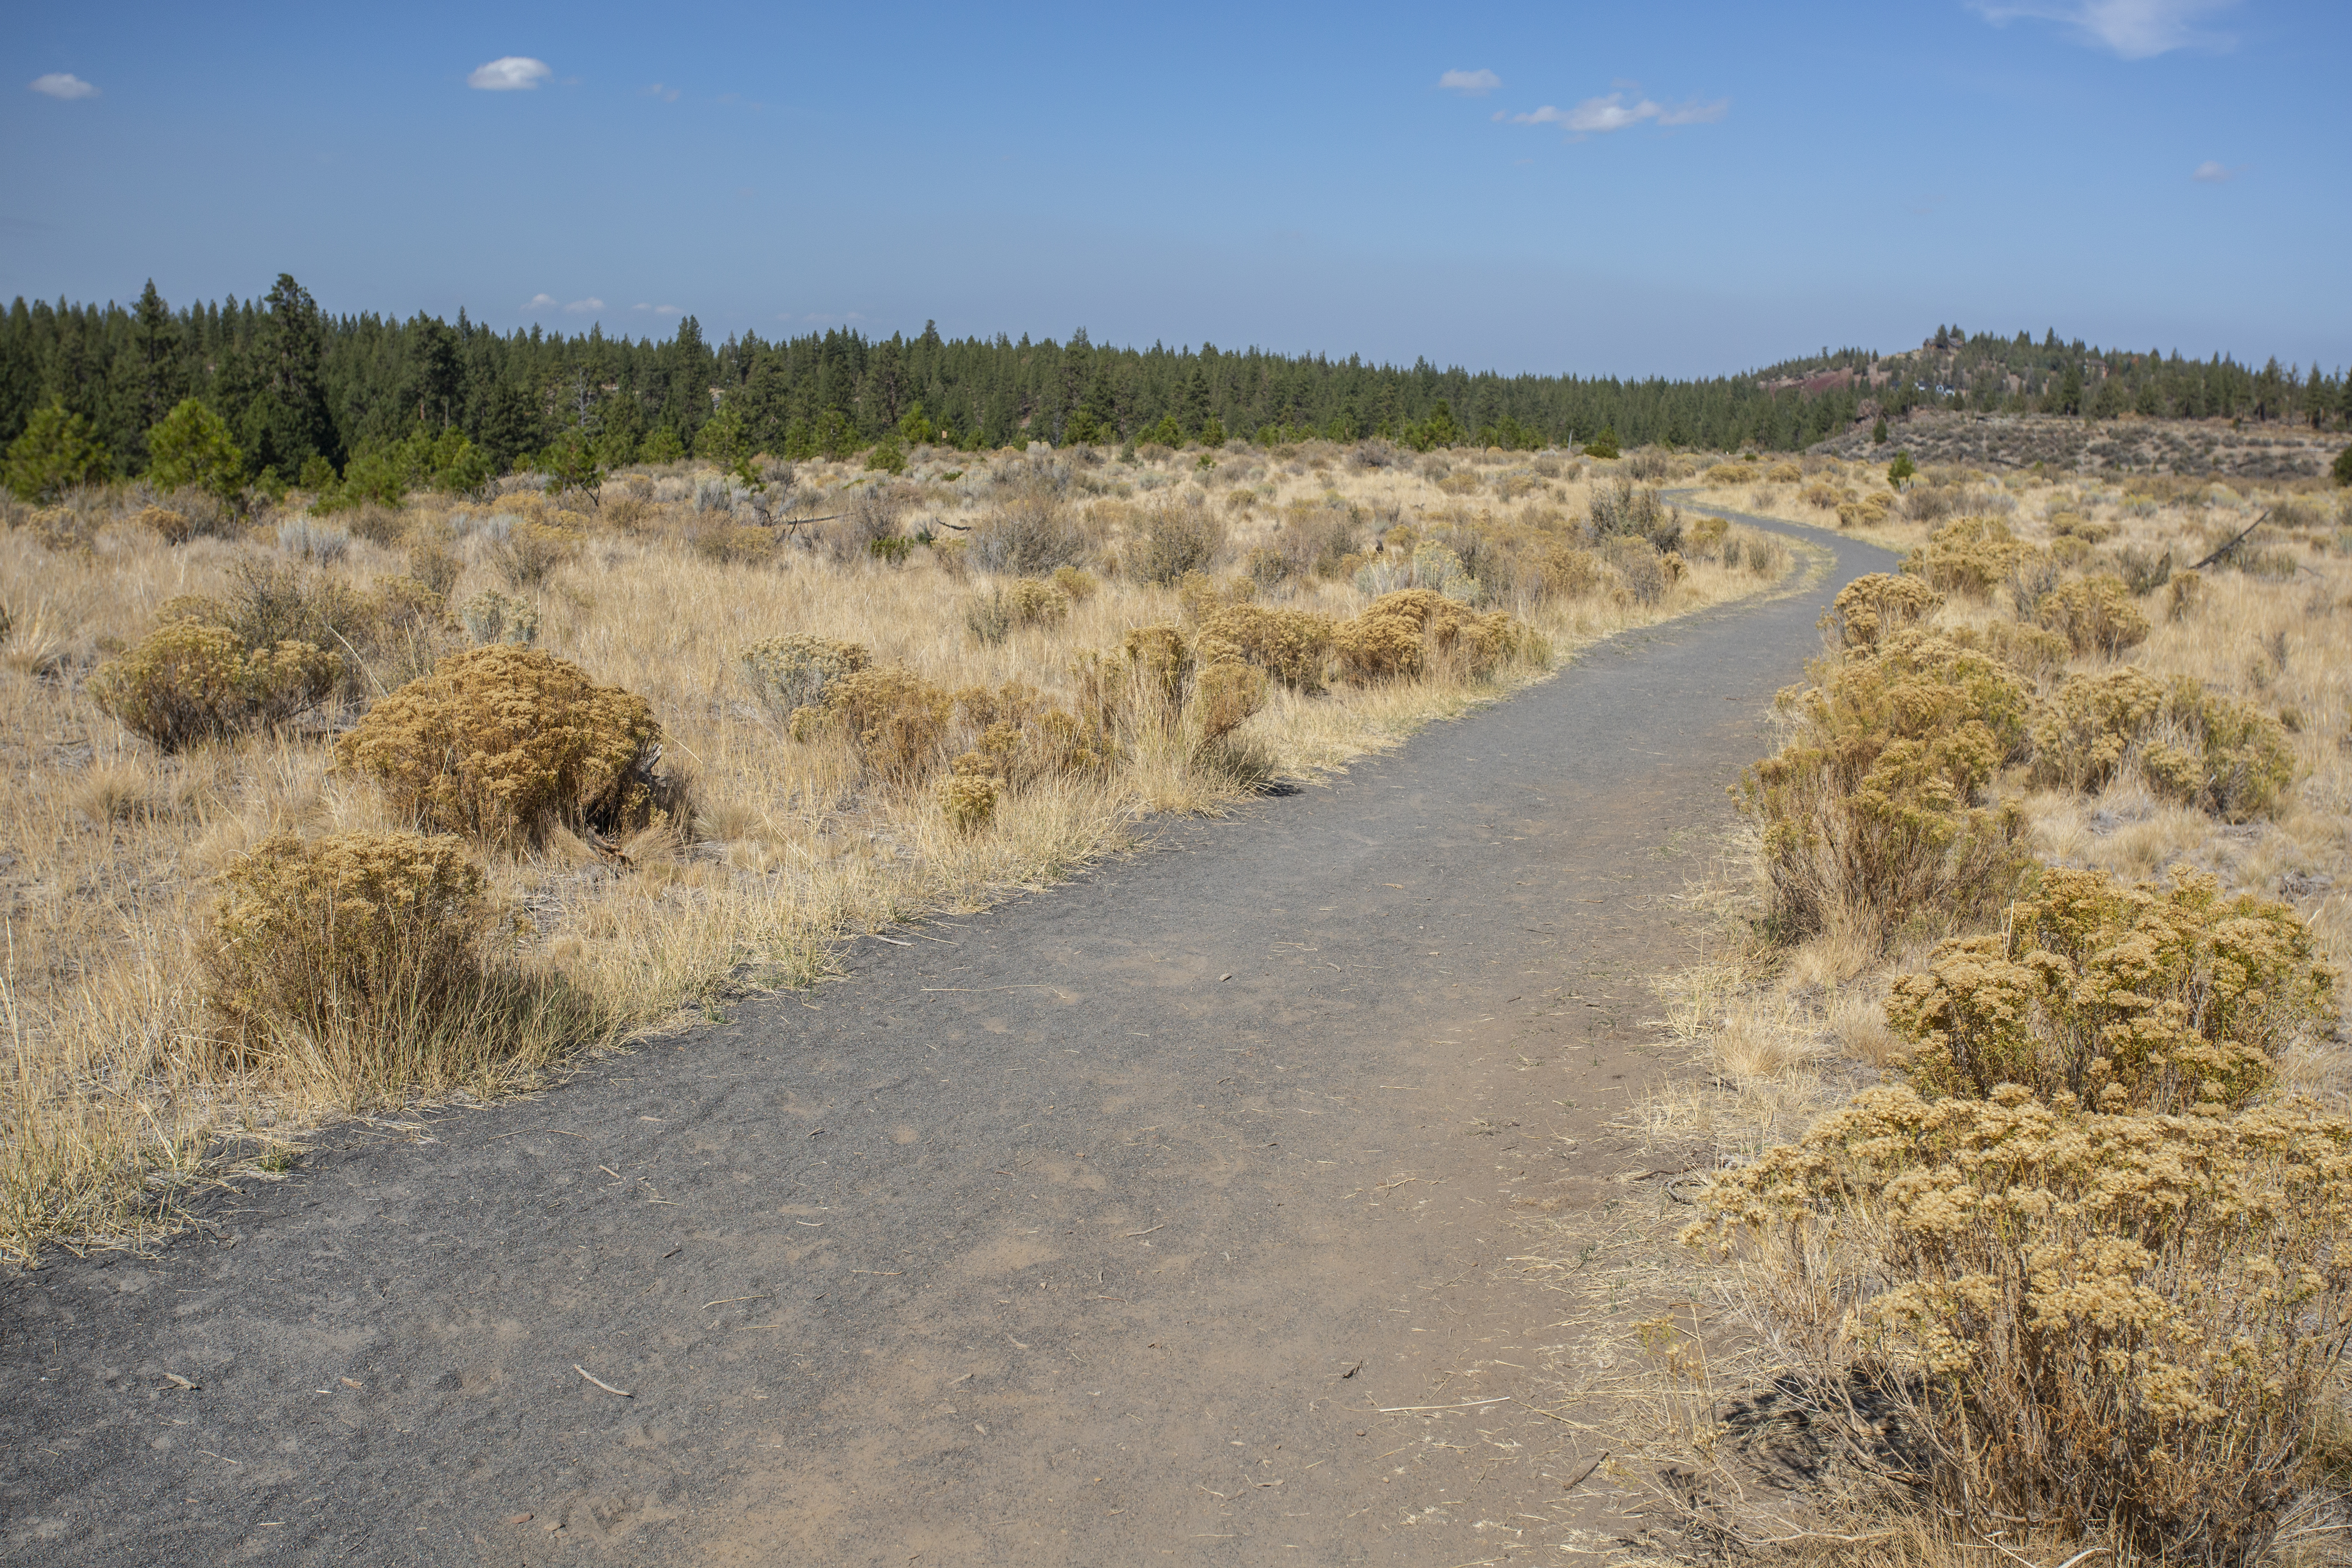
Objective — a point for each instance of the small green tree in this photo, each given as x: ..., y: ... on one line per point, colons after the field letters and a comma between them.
x: 1878, y: 432
x: 836, y: 437
x: 1168, y: 433
x: 1900, y: 470
x: 2343, y: 470
x: 191, y: 449
x: 57, y: 452
x: 1603, y: 444
x: 722, y: 438
x: 887, y: 457
x: 661, y: 447
x: 1213, y: 434
x: 570, y: 463
x: 914, y: 429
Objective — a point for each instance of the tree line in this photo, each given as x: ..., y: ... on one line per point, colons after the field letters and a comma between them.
x: 280, y: 391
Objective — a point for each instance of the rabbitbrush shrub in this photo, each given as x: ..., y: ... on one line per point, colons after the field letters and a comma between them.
x: 503, y: 742
x: 1969, y: 557
x: 2126, y: 1327
x: 1402, y: 634
x: 1869, y: 811
x: 1289, y: 645
x: 2158, y: 998
x: 187, y: 683
x: 2095, y: 615
x: 796, y: 670
x: 365, y: 965
x: 1878, y: 602
x: 892, y: 719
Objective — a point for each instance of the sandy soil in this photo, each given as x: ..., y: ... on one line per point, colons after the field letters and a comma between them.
x: 1148, y: 1216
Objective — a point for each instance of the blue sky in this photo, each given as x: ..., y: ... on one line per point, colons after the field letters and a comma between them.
x: 1623, y: 188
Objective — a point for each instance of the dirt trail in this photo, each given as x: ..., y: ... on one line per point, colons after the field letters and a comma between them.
x: 1117, y: 1222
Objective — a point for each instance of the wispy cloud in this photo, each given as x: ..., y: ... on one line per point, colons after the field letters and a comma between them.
x: 581, y: 307
x: 664, y: 91
x: 1613, y: 113
x: 1470, y: 84
x: 656, y: 310
x: 539, y: 302
x: 2210, y: 173
x: 63, y: 84
x: 510, y: 73
x: 2134, y: 29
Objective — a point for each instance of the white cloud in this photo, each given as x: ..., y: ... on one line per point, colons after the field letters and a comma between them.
x: 656, y: 310
x: 539, y: 302
x: 1613, y: 113
x: 2135, y: 29
x: 663, y: 91
x: 581, y: 307
x: 1697, y: 113
x: 63, y: 84
x: 2210, y: 173
x: 1470, y: 84
x: 510, y: 73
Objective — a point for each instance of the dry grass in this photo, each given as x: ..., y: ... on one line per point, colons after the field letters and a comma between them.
x: 1780, y: 1039
x: 111, y: 850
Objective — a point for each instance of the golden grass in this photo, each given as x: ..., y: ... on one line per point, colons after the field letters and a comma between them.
x: 1775, y: 1038
x: 108, y: 848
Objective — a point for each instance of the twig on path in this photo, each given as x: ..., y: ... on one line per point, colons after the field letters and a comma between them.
x: 518, y: 1132
x: 599, y: 1381
x: 1130, y: 1234
x: 1471, y: 1404
x: 1026, y: 985
x: 724, y: 1300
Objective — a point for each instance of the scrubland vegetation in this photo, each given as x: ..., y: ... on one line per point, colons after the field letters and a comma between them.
x: 2025, y: 1063
x: 314, y: 812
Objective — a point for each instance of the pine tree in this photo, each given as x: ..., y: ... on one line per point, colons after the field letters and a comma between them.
x: 191, y: 449
x: 57, y: 451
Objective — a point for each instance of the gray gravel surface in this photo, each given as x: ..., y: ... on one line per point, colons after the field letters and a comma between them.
x: 1119, y: 1223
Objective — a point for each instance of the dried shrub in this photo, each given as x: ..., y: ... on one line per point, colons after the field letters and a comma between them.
x: 893, y: 720
x: 797, y: 670
x: 1028, y: 531
x: 1869, y: 811
x: 1968, y: 557
x: 1640, y: 569
x: 1199, y: 594
x: 1026, y: 602
x: 1625, y: 508
x: 173, y: 526
x: 2220, y: 755
x: 188, y: 683
x: 1074, y: 585
x: 968, y: 798
x: 1565, y: 572
x: 320, y: 543
x: 1317, y: 539
x: 2124, y: 1327
x: 1175, y: 538
x: 1225, y: 693
x: 2031, y: 650
x: 1785, y: 473
x: 2183, y: 594
x: 2146, y: 998
x: 1017, y: 737
x: 528, y: 552
x: 730, y: 544
x: 1409, y: 632
x: 1292, y: 645
x: 490, y: 616
x: 2095, y: 615
x: 1878, y: 602
x: 2084, y: 736
x: 2143, y: 571
x: 1728, y: 474
x: 503, y: 742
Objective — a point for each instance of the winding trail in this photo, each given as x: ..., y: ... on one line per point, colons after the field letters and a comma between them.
x: 1139, y: 1219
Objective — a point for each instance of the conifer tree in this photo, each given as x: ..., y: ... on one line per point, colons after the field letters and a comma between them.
x: 57, y: 451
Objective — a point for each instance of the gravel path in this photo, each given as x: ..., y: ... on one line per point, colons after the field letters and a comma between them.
x: 1119, y: 1223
